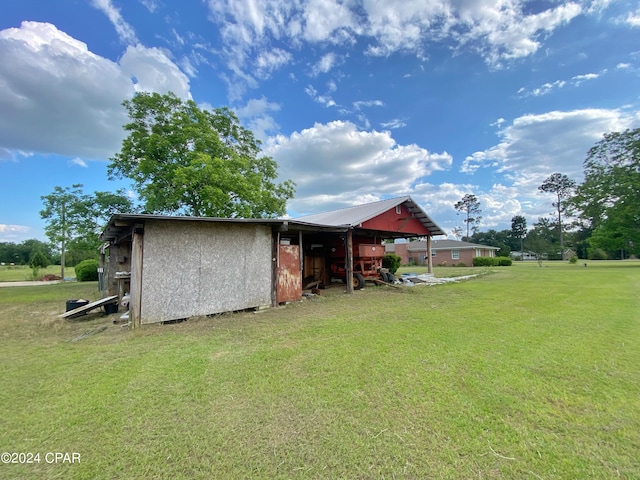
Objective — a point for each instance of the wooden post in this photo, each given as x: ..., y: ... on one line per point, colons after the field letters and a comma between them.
x: 429, y: 257
x: 275, y: 252
x: 135, y: 303
x: 348, y: 260
x: 301, y: 253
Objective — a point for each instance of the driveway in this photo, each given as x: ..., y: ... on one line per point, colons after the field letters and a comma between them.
x: 26, y: 284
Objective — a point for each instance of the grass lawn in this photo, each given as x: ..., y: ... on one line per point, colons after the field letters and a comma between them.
x: 527, y: 372
x: 23, y: 273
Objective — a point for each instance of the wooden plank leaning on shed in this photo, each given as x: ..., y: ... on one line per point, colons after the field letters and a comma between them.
x: 89, y: 306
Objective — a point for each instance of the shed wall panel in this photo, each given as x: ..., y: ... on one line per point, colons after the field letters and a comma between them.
x: 196, y: 268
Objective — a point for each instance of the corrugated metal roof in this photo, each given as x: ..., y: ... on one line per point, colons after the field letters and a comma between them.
x: 355, y: 216
x: 336, y: 221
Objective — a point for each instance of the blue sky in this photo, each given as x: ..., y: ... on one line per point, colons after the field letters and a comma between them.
x: 357, y: 100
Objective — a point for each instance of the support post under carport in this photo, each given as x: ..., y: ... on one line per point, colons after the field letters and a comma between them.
x: 135, y: 304
x: 429, y: 257
x: 348, y: 260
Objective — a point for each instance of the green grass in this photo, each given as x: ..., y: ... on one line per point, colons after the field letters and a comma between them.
x: 23, y: 273
x: 524, y: 373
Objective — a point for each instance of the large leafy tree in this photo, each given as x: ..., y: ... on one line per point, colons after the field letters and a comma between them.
x: 470, y: 207
x: 609, y: 197
x: 75, y: 219
x: 562, y: 186
x: 63, y: 213
x: 183, y: 159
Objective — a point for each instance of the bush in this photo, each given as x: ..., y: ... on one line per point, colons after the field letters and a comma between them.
x: 492, y: 262
x: 596, y: 254
x: 39, y: 260
x: 87, y: 271
x: 504, y: 261
x: 483, y: 262
x: 461, y: 264
x: 392, y: 262
x: 573, y: 260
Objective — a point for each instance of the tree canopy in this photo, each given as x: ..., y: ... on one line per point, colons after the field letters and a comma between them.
x: 187, y: 160
x: 75, y: 220
x: 609, y: 197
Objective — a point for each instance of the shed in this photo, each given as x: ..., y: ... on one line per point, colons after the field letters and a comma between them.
x: 177, y: 267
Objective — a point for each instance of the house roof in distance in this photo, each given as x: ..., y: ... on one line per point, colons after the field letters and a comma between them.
x: 441, y: 245
x: 356, y: 215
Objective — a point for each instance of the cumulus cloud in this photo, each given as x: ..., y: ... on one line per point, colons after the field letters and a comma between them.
x: 153, y: 71
x: 338, y: 163
x: 53, y: 96
x: 53, y: 100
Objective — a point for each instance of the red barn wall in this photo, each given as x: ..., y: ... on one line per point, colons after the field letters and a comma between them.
x: 391, y: 221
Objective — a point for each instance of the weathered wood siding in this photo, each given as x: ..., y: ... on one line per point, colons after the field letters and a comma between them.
x: 194, y: 268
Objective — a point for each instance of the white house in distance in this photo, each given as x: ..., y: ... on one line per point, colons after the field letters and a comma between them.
x: 443, y: 252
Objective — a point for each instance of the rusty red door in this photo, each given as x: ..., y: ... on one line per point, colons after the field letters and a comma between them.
x: 289, y: 274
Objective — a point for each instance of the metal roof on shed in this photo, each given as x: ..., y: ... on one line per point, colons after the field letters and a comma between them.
x: 120, y: 224
x: 355, y: 216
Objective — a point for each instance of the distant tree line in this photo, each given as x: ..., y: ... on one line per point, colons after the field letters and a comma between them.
x: 22, y: 253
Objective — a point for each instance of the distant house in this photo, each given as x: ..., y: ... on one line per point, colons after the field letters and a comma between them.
x: 443, y: 252
x: 516, y: 255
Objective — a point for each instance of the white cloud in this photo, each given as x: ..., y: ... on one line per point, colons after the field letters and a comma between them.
x: 367, y: 103
x: 341, y: 164
x: 578, y: 79
x: 543, y: 90
x: 59, y: 97
x: 124, y: 30
x: 325, y: 100
x: 13, y: 233
x: 533, y: 147
x: 547, y: 88
x: 268, y: 61
x: 499, y: 31
x: 53, y: 100
x: 256, y: 114
x: 151, y: 5
x: 633, y: 19
x: 324, y: 65
x: 154, y: 71
x: 393, y: 124
x: 79, y: 162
